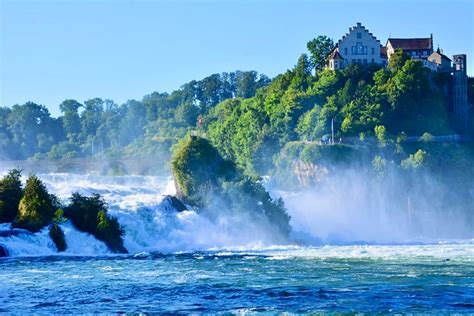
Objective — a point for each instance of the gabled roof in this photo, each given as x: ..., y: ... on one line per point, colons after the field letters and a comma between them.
x: 411, y: 43
x: 438, y: 51
x: 334, y: 54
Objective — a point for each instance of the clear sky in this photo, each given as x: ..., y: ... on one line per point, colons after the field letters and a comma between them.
x: 55, y: 50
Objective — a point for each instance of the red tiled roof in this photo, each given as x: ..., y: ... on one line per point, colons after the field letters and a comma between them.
x: 410, y: 43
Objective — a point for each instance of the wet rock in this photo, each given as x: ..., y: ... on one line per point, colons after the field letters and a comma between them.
x: 3, y: 251
x: 175, y: 203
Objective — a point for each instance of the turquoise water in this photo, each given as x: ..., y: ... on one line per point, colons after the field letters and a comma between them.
x: 370, y: 278
x: 188, y: 262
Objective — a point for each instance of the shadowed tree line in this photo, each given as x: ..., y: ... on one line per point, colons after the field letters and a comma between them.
x: 144, y: 127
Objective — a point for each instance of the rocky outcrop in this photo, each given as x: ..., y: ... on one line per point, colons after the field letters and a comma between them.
x: 204, y: 179
x: 4, y: 251
x: 174, y: 203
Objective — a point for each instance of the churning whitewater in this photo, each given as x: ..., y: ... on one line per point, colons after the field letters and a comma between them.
x: 188, y: 262
x: 152, y: 224
x: 149, y: 220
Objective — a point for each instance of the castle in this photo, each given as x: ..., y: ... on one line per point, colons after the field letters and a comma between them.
x: 360, y: 46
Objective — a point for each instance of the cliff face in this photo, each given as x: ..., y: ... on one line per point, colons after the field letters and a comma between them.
x: 308, y: 173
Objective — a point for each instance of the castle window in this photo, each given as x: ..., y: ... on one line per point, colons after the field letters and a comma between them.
x: 345, y: 51
x: 365, y: 61
x: 373, y: 50
x: 373, y: 60
x: 359, y: 35
x: 359, y: 49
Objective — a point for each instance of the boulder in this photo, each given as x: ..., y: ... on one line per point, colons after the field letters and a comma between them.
x: 175, y: 203
x: 4, y: 251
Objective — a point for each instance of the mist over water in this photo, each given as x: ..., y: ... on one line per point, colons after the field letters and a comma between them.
x: 353, y: 206
x: 148, y: 218
x: 346, y: 208
x: 193, y: 262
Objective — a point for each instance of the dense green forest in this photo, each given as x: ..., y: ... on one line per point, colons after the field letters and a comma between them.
x: 250, y: 119
x: 99, y: 127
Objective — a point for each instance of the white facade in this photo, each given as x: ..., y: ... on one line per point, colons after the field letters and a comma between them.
x: 358, y: 46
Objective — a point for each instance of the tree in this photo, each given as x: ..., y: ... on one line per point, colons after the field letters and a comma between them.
x: 307, y: 124
x: 71, y: 120
x: 91, y: 117
x: 89, y: 214
x: 246, y: 84
x: 302, y: 74
x: 319, y: 49
x: 11, y: 191
x: 397, y: 59
x: 186, y: 114
x: 381, y: 134
x: 26, y: 122
x: 37, y: 207
x: 415, y: 161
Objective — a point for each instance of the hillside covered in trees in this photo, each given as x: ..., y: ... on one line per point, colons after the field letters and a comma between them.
x: 252, y: 120
x: 99, y: 127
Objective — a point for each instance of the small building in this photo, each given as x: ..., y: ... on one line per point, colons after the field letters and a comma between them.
x: 442, y: 61
x: 415, y: 48
x: 335, y: 60
x: 358, y: 46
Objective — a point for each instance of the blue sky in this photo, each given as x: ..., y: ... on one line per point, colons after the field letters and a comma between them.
x: 55, y: 50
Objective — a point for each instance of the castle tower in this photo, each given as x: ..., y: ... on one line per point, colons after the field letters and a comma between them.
x: 460, y: 105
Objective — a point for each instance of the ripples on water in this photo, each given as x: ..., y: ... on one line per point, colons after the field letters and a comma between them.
x: 387, y: 279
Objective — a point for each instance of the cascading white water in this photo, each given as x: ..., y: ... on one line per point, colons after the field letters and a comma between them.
x: 149, y: 221
x: 344, y: 210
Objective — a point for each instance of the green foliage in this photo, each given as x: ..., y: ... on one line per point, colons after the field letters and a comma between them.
x: 37, y: 206
x: 427, y: 137
x: 89, y: 214
x: 57, y: 236
x: 58, y: 216
x: 71, y: 120
x: 201, y: 173
x: 11, y: 191
x: 415, y: 161
x: 381, y: 134
x: 398, y: 59
x: 319, y: 48
x: 333, y: 155
x: 106, y: 128
x: 379, y: 164
x: 198, y: 168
